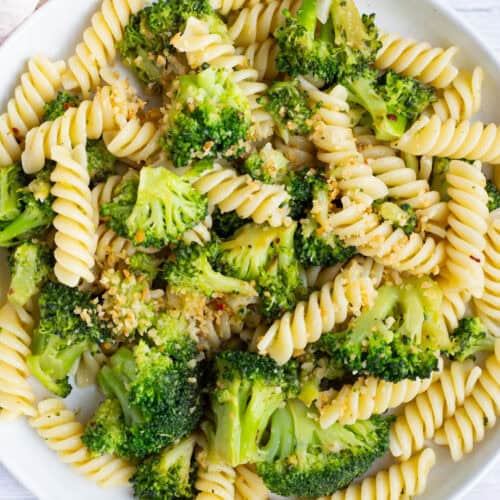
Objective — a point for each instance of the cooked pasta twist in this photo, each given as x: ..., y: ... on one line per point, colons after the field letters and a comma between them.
x: 346, y: 295
x: 417, y: 59
x: 98, y: 48
x: 262, y: 57
x: 111, y: 248
x: 16, y: 395
x: 199, y: 234
x: 249, y: 486
x: 299, y: 151
x: 58, y: 426
x: 462, y: 99
x: 88, y: 368
x: 75, y: 238
x: 479, y: 412
x: 452, y: 139
x: 103, y: 193
x: 488, y: 306
x: 215, y: 480
x: 38, y: 86
x: 249, y: 198
x: 427, y: 412
x: 454, y: 305
x: 226, y: 6
x: 258, y: 22
x: 468, y: 218
x: 111, y: 108
x: 404, y: 480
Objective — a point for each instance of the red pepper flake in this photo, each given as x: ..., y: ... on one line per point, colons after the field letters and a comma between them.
x: 11, y: 291
x: 15, y: 130
x: 392, y: 117
x: 219, y: 306
x: 475, y: 259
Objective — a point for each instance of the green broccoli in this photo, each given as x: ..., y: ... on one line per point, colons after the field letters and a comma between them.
x: 12, y: 180
x: 400, y: 216
x: 469, y: 338
x: 438, y: 180
x: 30, y: 266
x: 268, y: 165
x: 57, y: 107
x: 248, y: 389
x: 168, y: 475
x: 210, y: 117
x: 265, y: 255
x: 493, y: 196
x: 304, y: 460
x: 100, y: 162
x: 68, y: 327
x: 398, y: 338
x: 192, y: 271
x: 301, y: 185
x: 225, y: 224
x: 145, y: 264
x: 288, y: 104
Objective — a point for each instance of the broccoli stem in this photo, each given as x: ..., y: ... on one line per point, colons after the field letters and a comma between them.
x: 27, y: 221
x: 281, y: 440
x: 326, y: 33
x: 306, y: 16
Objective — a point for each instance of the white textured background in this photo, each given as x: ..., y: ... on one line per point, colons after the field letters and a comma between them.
x: 484, y: 16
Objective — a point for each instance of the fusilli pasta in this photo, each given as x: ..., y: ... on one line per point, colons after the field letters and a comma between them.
x: 454, y: 305
x: 262, y: 57
x: 215, y: 480
x: 299, y: 151
x: 88, y: 368
x: 427, y: 412
x: 249, y: 486
x: 62, y: 432
x: 226, y: 6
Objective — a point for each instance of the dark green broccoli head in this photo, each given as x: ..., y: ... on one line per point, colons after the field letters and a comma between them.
x: 398, y: 338
x: 301, y: 186
x: 30, y: 266
x: 288, y: 104
x: 210, y: 117
x: 248, y: 390
x: 169, y: 475
x: 470, y: 338
x: 493, y: 196
x: 438, y: 182
x: 401, y: 216
x: 68, y: 327
x: 56, y: 108
x: 145, y: 264
x: 268, y: 165
x: 191, y: 271
x: 304, y: 460
x: 12, y: 180
x: 225, y: 224
x: 100, y: 162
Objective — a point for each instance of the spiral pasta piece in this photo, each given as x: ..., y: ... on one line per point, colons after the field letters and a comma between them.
x: 423, y: 416
x: 112, y: 107
x: 249, y: 486
x: 262, y: 57
x: 215, y: 480
x: 88, y: 368
x: 479, y: 412
x: 199, y: 234
x: 58, y: 426
x: 258, y: 22
x: 462, y: 99
x: 299, y: 151
x: 226, y: 6
x: 488, y: 306
x: 25, y: 109
x: 98, y: 48
x: 404, y: 480
x: 16, y: 395
x: 454, y: 305
x: 103, y: 193
x: 452, y: 139
x: 337, y: 300
x: 417, y: 59
x: 75, y: 237
x: 468, y: 218
x: 249, y: 198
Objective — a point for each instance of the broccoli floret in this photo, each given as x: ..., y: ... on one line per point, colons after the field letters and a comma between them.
x: 301, y: 185
x: 393, y: 101
x: 400, y: 216
x: 493, y: 196
x: 68, y: 327
x: 248, y: 390
x: 100, y: 162
x: 265, y: 255
x: 268, y: 165
x: 145, y: 264
x: 225, y: 224
x: 304, y: 460
x: 469, y: 338
x: 56, y: 108
x: 192, y: 271
x: 159, y: 401
x: 30, y: 266
x: 288, y: 104
x: 438, y: 182
x: 398, y: 338
x: 210, y: 117
x: 169, y: 475
x: 12, y: 180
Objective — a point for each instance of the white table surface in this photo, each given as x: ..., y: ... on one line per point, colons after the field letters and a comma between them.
x: 484, y: 16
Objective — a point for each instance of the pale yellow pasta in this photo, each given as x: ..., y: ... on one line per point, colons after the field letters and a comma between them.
x: 199, y: 234
x: 451, y: 139
x: 417, y: 59
x: 215, y: 480
x: 16, y: 394
x: 58, y: 427
x: 423, y: 416
x: 25, y: 110
x: 479, y: 412
x: 88, y: 367
x: 75, y: 237
x: 454, y: 304
x: 262, y: 57
x: 462, y: 99
x: 98, y: 48
x: 336, y: 301
x: 249, y: 486
x: 404, y: 480
x: 465, y: 240
x: 103, y: 193
x: 111, y: 247
x: 299, y: 151
x: 226, y: 6
x: 249, y: 198
x: 488, y: 306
